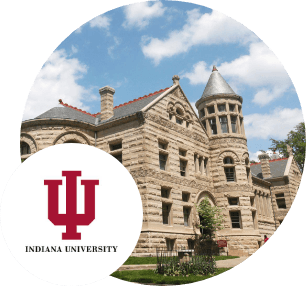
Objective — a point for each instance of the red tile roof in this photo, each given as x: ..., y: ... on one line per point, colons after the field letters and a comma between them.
x: 280, y: 159
x: 140, y: 98
x: 123, y: 104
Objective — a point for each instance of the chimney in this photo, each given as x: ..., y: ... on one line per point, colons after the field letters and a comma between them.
x: 265, y: 166
x: 107, y: 102
x: 176, y: 79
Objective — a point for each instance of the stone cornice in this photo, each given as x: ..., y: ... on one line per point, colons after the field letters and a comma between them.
x: 57, y: 121
x: 166, y: 177
x: 260, y: 181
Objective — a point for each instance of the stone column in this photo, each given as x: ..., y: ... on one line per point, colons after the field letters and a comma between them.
x: 197, y: 164
x: 229, y: 122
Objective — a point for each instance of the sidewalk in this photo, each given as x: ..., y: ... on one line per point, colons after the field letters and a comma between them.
x: 220, y: 264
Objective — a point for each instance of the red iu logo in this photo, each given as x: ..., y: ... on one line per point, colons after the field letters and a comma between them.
x: 71, y: 219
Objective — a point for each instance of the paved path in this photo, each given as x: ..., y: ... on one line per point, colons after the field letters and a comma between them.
x: 220, y: 264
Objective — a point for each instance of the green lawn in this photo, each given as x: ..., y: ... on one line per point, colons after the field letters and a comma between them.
x: 148, y: 276
x: 152, y: 260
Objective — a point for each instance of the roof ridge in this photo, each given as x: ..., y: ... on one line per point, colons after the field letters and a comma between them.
x: 140, y: 98
x: 77, y: 109
x: 273, y: 160
x: 118, y: 106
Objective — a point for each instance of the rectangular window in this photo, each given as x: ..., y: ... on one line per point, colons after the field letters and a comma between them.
x: 211, y: 109
x: 233, y: 122
x: 221, y: 107
x: 166, y: 213
x: 162, y: 161
x: 116, y: 146
x: 254, y: 219
x: 232, y: 107
x: 162, y: 145
x: 165, y: 193
x: 252, y: 201
x: 170, y: 116
x: 182, y: 152
x: 187, y: 124
x: 223, y: 122
x: 230, y: 174
x: 190, y: 244
x: 118, y: 157
x: 179, y: 121
x: 183, y: 165
x: 239, y: 108
x: 280, y: 200
x: 170, y: 244
x: 201, y: 113
x: 185, y: 197
x: 204, y: 124
x: 248, y: 174
x: 213, y: 125
x: 235, y: 218
x: 186, y: 216
x: 233, y: 201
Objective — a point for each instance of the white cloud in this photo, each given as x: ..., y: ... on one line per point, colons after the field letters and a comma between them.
x: 275, y: 124
x: 260, y: 69
x: 199, y: 75
x: 100, y: 21
x: 139, y: 15
x: 74, y: 50
x: 200, y: 29
x: 57, y: 80
x: 110, y: 50
x: 79, y: 30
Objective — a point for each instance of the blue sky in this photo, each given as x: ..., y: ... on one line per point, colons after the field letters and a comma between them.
x: 137, y: 49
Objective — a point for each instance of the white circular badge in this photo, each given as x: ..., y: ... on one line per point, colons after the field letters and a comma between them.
x: 71, y: 214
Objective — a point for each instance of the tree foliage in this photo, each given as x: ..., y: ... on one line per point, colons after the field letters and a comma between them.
x: 296, y: 140
x: 211, y: 218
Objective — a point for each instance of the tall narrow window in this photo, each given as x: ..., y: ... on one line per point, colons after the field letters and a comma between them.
x: 162, y: 161
x: 170, y: 244
x: 230, y: 174
x: 162, y: 145
x: 179, y: 121
x: 118, y: 157
x: 165, y: 193
x: 185, y: 197
x: 211, y: 109
x: 223, y: 123
x: 201, y: 113
x: 115, y: 146
x: 166, y: 213
x: 204, y: 124
x: 170, y: 116
x: 221, y: 107
x: 186, y: 216
x: 232, y: 107
x: 233, y: 123
x: 183, y: 165
x: 213, y: 125
x: 280, y: 200
x: 190, y: 244
x: 24, y: 149
x: 235, y: 218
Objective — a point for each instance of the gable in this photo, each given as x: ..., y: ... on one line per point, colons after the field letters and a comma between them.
x: 174, y: 102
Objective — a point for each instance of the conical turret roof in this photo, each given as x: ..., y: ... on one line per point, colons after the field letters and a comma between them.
x: 217, y: 85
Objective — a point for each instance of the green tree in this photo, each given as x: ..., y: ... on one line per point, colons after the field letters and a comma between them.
x: 296, y: 140
x: 211, y: 218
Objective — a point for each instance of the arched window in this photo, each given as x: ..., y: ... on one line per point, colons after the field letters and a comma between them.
x: 24, y: 149
x: 228, y: 160
x: 229, y: 169
x: 179, y: 112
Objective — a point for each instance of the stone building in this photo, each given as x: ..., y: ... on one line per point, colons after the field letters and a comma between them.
x: 177, y: 158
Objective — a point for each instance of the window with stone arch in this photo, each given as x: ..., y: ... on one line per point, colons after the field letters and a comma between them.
x: 25, y: 149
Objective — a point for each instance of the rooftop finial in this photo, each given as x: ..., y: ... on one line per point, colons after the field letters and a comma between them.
x: 176, y: 79
x: 214, y: 68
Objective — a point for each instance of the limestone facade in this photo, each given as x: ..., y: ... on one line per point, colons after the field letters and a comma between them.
x: 176, y: 159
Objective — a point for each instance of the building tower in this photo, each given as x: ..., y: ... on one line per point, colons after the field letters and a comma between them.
x: 220, y: 111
